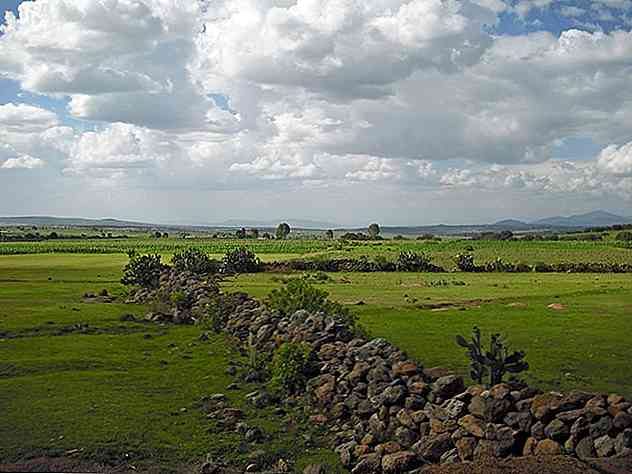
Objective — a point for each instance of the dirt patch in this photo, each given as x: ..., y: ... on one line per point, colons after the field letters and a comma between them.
x: 517, y: 305
x: 69, y: 464
x: 557, y: 306
x: 443, y: 306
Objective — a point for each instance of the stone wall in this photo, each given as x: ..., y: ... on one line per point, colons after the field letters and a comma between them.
x: 387, y: 414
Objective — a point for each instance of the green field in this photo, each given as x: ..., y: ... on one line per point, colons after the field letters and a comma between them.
x: 442, y: 252
x: 74, y: 377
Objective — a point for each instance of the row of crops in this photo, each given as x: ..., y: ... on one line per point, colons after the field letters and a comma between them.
x: 442, y: 252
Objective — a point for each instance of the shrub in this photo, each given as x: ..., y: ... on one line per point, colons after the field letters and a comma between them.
x: 292, y: 365
x: 220, y: 308
x: 624, y: 236
x: 298, y: 294
x: 496, y: 361
x: 415, y: 262
x: 465, y: 263
x: 195, y: 261
x: 142, y: 270
x: 241, y: 260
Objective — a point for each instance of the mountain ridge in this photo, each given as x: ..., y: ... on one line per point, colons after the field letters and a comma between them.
x: 597, y: 218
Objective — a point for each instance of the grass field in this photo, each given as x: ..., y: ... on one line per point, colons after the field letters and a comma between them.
x: 442, y: 252
x: 74, y: 377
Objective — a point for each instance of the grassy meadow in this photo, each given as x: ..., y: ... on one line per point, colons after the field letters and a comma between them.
x: 76, y: 380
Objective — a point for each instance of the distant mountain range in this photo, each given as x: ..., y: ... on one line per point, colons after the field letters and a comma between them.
x: 591, y: 219
x: 294, y: 223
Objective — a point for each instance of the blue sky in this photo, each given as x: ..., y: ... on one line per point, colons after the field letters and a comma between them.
x: 488, y: 122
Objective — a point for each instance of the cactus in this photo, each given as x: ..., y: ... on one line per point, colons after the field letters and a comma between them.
x: 496, y: 362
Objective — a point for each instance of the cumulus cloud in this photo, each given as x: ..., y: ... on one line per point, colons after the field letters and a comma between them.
x: 238, y: 94
x: 24, y: 118
x: 26, y: 162
x: 616, y: 160
x: 117, y: 60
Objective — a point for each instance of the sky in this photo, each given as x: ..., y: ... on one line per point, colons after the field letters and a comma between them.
x: 404, y: 112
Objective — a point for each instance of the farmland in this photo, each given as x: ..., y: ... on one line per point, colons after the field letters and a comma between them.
x: 77, y: 379
x: 442, y: 252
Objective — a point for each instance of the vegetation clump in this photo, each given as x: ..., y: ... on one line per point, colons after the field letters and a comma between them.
x: 495, y: 362
x: 195, y: 261
x: 298, y: 294
x: 142, y: 270
x: 409, y: 261
x: 241, y: 260
x: 292, y: 365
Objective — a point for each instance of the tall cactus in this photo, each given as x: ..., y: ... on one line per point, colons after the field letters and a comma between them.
x: 496, y: 362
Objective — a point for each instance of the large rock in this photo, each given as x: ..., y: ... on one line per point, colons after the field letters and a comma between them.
x: 547, y: 447
x: 369, y: 464
x: 447, y: 387
x: 557, y: 430
x: 545, y: 405
x: 473, y: 425
x: 465, y: 447
x: 489, y: 409
x: 399, y: 462
x: 406, y: 369
x: 432, y: 447
x: 604, y: 446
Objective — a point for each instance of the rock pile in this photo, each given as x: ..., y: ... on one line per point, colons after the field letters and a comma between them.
x: 180, y: 298
x: 389, y: 415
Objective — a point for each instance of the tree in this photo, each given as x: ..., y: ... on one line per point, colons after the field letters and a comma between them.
x: 241, y: 233
x: 254, y: 233
x: 282, y: 231
x: 329, y: 234
x: 374, y: 231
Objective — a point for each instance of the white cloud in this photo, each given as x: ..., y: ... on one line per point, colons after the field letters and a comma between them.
x: 24, y: 118
x: 25, y: 162
x: 616, y: 160
x: 117, y: 60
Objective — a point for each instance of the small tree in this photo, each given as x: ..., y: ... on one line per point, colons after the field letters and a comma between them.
x: 282, y: 231
x: 329, y: 234
x: 374, y: 231
x: 241, y: 233
x: 254, y: 233
x: 142, y: 270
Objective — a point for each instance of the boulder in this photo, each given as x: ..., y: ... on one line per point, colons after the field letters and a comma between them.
x: 399, y: 462
x: 548, y: 447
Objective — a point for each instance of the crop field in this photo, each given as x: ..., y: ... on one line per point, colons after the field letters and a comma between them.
x: 442, y: 252
x: 77, y: 381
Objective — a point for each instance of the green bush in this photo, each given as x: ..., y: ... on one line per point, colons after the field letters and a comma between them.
x: 298, y: 294
x: 624, y: 237
x: 142, y: 270
x: 195, y: 261
x: 220, y: 308
x: 241, y: 260
x: 292, y: 365
x: 465, y: 263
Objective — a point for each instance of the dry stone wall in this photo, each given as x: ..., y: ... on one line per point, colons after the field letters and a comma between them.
x: 387, y: 414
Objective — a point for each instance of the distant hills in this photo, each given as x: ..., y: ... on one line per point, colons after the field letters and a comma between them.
x: 560, y: 223
x: 294, y: 223
x: 590, y: 219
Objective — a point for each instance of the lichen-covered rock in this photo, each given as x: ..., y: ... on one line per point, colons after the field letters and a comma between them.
x: 399, y: 462
x: 547, y: 447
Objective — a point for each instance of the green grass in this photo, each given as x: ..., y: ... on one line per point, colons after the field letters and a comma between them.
x: 584, y: 346
x: 442, y: 252
x: 123, y: 391
x: 116, y: 390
